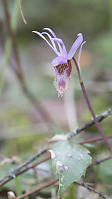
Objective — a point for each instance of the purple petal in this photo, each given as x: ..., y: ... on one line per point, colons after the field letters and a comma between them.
x: 75, y: 46
x: 52, y: 32
x: 58, y: 60
x: 59, y: 45
x: 79, y: 54
x: 54, y: 35
x: 59, y: 41
x: 62, y: 49
x: 52, y: 41
x: 40, y: 34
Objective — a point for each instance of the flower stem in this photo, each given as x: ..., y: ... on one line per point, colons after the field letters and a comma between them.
x: 90, y: 107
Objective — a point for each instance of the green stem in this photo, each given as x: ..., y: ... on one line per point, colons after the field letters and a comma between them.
x: 18, y: 186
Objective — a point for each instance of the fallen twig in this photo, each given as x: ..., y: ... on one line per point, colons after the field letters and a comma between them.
x: 38, y: 189
x: 90, y: 188
x: 24, y: 167
x: 99, y: 118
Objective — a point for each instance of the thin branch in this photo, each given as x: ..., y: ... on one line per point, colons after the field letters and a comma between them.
x: 87, y: 186
x: 52, y: 182
x: 99, y: 118
x: 41, y: 194
x: 96, y: 162
x: 38, y: 189
x: 18, y: 70
x: 94, y: 140
x: 16, y: 172
x: 10, y: 32
x: 24, y: 167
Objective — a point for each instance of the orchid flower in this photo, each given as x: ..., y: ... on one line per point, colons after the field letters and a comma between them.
x: 61, y: 63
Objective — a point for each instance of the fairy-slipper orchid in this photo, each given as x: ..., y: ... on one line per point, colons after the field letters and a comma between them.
x: 61, y: 63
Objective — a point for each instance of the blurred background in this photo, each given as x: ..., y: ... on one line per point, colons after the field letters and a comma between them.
x: 30, y: 110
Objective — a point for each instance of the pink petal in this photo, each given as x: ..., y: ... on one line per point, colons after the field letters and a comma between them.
x: 75, y: 46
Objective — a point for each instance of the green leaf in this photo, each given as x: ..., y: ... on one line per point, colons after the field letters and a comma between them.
x: 70, y: 162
